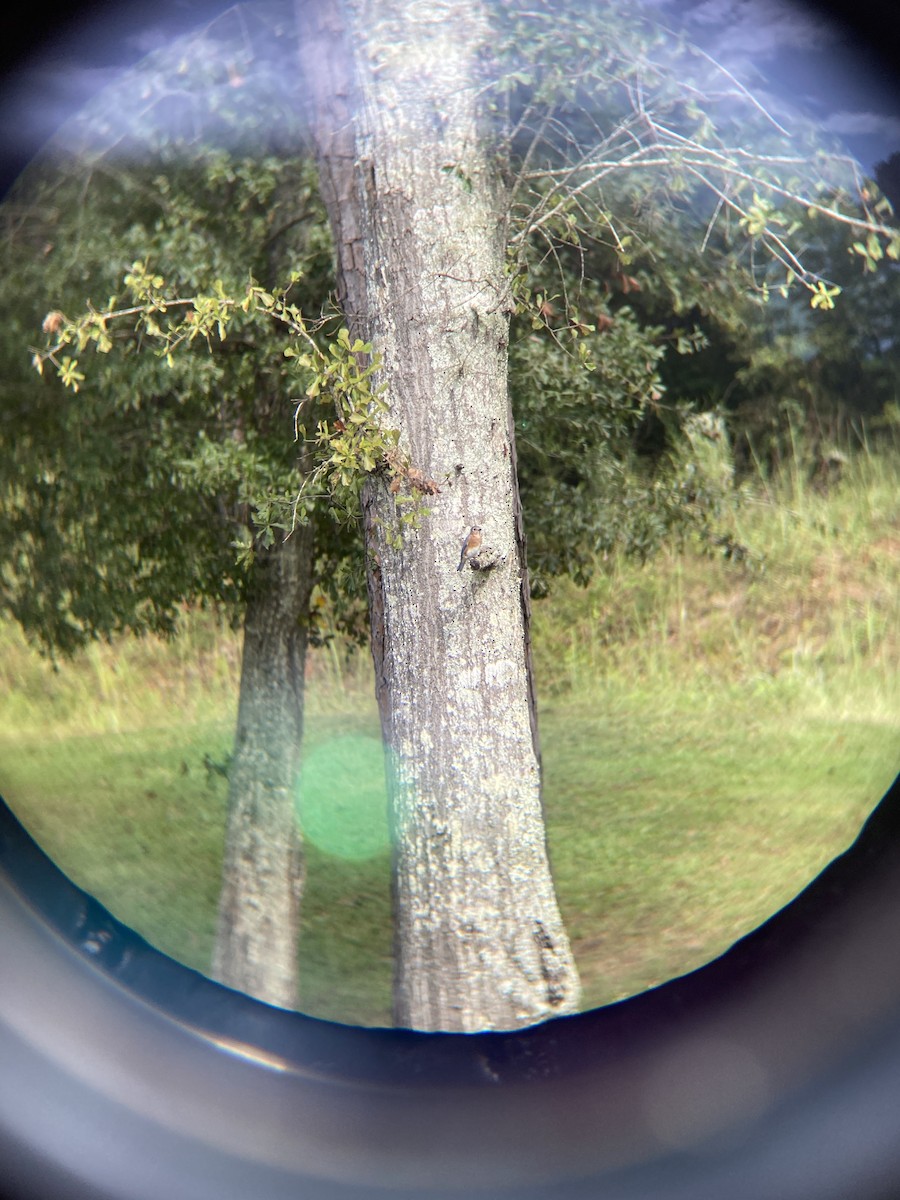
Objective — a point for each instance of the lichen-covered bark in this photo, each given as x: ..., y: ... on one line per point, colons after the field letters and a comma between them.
x: 262, y: 879
x: 480, y: 943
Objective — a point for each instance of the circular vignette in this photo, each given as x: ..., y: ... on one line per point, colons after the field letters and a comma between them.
x: 774, y: 1071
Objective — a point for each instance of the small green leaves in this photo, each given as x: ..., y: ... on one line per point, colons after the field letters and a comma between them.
x: 69, y: 373
x: 585, y: 358
x: 759, y: 216
x: 872, y: 251
x: 357, y: 443
x: 690, y: 341
x: 141, y: 283
x: 823, y: 296
x: 339, y: 371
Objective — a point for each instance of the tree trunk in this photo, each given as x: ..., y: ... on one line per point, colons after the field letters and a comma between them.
x: 480, y: 943
x: 259, y: 906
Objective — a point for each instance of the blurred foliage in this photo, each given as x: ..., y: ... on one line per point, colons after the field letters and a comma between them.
x: 676, y: 249
x: 638, y: 274
x: 782, y: 366
x: 122, y: 503
x: 606, y: 119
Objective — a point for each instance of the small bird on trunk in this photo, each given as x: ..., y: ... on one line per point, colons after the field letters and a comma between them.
x: 470, y: 546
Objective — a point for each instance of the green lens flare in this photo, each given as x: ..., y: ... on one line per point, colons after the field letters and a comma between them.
x: 342, y: 800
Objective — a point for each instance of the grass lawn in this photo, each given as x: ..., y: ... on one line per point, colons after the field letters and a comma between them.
x: 673, y: 838
x: 670, y: 836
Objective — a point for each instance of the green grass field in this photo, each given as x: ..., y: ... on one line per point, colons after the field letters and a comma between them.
x: 713, y: 733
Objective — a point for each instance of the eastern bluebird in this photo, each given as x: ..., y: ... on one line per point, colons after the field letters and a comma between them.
x: 470, y: 545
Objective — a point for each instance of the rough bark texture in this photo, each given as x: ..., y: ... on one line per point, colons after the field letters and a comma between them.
x: 480, y: 943
x: 259, y: 906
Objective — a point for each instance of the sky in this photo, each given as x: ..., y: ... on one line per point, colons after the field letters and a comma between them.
x: 785, y: 49
x: 802, y: 54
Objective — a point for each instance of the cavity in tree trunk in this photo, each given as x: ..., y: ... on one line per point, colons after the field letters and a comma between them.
x: 418, y: 213
x: 259, y: 906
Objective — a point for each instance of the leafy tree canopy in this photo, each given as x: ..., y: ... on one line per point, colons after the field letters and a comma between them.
x: 133, y: 496
x: 644, y: 239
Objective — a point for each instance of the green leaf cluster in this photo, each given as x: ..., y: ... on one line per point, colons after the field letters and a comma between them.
x: 586, y: 488
x: 358, y: 441
x: 135, y: 477
x: 600, y: 117
x: 219, y: 407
